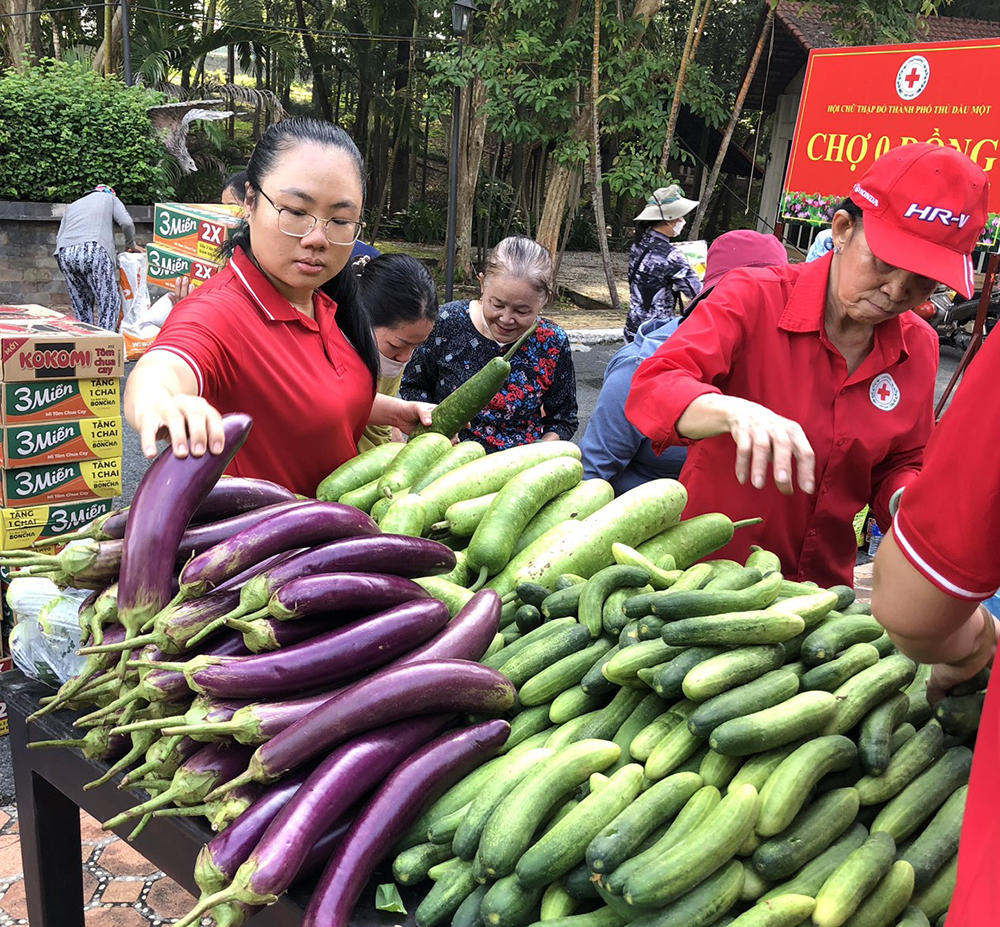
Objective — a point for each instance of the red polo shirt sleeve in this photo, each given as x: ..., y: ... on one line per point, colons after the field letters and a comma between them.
x: 702, y: 350
x: 948, y: 524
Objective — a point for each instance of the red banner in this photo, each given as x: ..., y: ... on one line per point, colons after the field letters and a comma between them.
x: 857, y: 103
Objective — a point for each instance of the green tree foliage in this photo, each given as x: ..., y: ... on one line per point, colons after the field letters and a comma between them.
x: 878, y: 22
x: 64, y: 129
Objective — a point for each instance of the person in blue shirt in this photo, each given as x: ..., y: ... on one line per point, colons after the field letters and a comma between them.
x: 612, y: 447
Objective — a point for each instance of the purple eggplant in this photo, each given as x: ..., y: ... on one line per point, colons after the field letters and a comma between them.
x: 467, y: 636
x: 203, y: 710
x: 271, y: 634
x: 349, y: 773
x: 394, y: 554
x: 164, y: 756
x: 396, y: 805
x: 167, y: 497
x: 328, y: 659
x: 194, y: 779
x: 98, y: 744
x: 308, y: 524
x: 383, y: 697
x: 335, y: 592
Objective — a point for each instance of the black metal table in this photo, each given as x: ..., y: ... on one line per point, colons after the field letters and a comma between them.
x: 49, y: 785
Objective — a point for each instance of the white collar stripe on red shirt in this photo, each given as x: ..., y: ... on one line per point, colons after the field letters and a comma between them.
x: 234, y: 263
x: 930, y: 572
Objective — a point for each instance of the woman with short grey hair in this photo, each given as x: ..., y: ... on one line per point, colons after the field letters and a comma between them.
x: 538, y: 401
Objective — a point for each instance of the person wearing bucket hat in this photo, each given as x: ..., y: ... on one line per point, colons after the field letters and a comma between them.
x: 818, y: 372
x: 657, y: 271
x: 612, y: 448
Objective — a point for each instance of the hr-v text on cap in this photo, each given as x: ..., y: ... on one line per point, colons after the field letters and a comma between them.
x: 925, y: 207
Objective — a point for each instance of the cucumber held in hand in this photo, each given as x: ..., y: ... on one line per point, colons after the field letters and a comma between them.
x: 455, y: 411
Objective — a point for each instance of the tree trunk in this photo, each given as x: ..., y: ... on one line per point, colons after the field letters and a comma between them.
x: 23, y: 30
x: 321, y: 92
x: 470, y: 157
x: 728, y: 135
x: 675, y: 106
x: 208, y: 26
x: 595, y: 171
x: 115, y: 25
x: 556, y: 197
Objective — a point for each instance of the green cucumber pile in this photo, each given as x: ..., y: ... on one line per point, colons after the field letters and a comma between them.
x: 699, y: 742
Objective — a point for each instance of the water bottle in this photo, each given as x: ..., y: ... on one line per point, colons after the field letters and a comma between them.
x: 875, y: 540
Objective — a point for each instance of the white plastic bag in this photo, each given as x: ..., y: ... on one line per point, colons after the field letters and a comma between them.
x: 135, y: 293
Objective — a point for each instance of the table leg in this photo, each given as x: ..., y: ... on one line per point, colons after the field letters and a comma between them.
x: 49, y: 825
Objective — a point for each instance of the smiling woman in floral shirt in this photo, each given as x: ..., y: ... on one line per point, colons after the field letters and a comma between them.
x: 538, y: 401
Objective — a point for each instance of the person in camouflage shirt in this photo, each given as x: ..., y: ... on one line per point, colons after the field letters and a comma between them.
x: 657, y: 271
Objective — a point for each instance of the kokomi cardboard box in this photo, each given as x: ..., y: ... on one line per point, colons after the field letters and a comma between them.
x: 165, y: 266
x: 6, y: 663
x: 196, y: 230
x: 65, y: 482
x: 59, y: 400
x: 22, y: 527
x: 59, y: 442
x: 39, y: 344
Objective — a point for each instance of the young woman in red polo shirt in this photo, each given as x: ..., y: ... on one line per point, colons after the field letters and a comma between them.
x: 260, y: 337
x: 821, y: 363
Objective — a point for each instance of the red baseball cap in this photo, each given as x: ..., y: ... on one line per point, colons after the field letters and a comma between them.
x: 741, y: 248
x: 925, y: 207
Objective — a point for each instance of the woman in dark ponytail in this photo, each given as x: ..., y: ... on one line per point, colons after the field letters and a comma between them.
x: 263, y: 337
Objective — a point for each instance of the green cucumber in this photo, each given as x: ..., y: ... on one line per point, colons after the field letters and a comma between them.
x: 811, y: 608
x: 570, y: 731
x: 780, y: 911
x: 600, y: 586
x: 411, y: 866
x: 464, y: 516
x: 532, y: 594
x: 695, y: 857
x: 509, y: 904
x: 886, y: 900
x: 563, y: 602
x: 454, y: 596
x: 572, y: 703
x: 557, y: 903
x: 534, y: 742
x: 564, y: 846
x: 673, y: 606
x: 358, y: 471
x: 900, y: 736
x: 692, y: 539
x: 380, y: 508
x: 623, y: 668
x: 467, y: 914
x: 912, y: 758
x: 511, y: 826
x: 364, y: 497
x: 515, y: 647
x: 763, y: 560
x: 405, y: 516
x: 563, y: 674
x: 959, y: 715
x: 833, y: 674
x: 787, y: 788
x: 442, y: 830
x: 694, y: 577
x: 646, y: 739
x: 622, y: 837
x: 767, y: 691
x: 601, y: 917
x: 606, y: 722
x: 803, y: 715
x: 584, y: 547
x: 809, y: 834
x: 446, y: 895
x: 862, y: 692
x: 938, y: 841
x: 904, y: 813
x: 668, y: 755
x: 659, y: 577
x: 516, y: 503
x: 810, y: 878
x: 731, y: 669
x: 462, y: 453
x: 412, y: 462
x: 853, y: 880
x: 734, y: 629
x: 695, y: 812
x: 718, y: 770
x: 935, y: 898
x: 527, y: 723
x: 836, y: 635
x: 884, y: 645
x: 875, y: 736
x: 613, y: 612
x: 753, y: 885
x: 704, y: 904
x: 647, y: 711
x: 732, y: 580
x: 756, y: 770
x: 650, y: 628
x: 527, y: 618
x: 667, y: 679
x: 535, y: 657
x: 920, y: 709
x: 913, y: 917
x: 572, y: 505
x: 578, y: 883
x: 565, y: 580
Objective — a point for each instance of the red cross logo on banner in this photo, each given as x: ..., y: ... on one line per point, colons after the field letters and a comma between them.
x: 884, y: 393
x: 912, y: 77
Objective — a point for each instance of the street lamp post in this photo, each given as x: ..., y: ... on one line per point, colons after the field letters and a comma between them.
x: 461, y: 17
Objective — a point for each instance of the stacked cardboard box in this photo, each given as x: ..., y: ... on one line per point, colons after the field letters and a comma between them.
x: 60, y: 423
x: 187, y: 241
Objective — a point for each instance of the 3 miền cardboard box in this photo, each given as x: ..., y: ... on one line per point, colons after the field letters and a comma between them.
x: 198, y: 230
x: 22, y: 527
x: 66, y: 482
x: 40, y: 344
x: 59, y: 400
x: 59, y: 442
x: 165, y: 266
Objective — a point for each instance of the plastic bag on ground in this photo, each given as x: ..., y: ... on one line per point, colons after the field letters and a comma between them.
x: 46, y: 636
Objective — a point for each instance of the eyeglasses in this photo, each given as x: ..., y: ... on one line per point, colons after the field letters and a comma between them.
x: 298, y: 224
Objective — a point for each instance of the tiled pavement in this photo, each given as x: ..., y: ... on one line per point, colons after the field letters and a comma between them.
x: 120, y: 888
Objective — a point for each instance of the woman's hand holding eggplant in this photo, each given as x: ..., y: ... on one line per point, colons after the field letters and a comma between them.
x: 190, y: 423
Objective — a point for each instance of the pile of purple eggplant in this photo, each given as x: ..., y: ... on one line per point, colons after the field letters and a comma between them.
x: 269, y: 663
